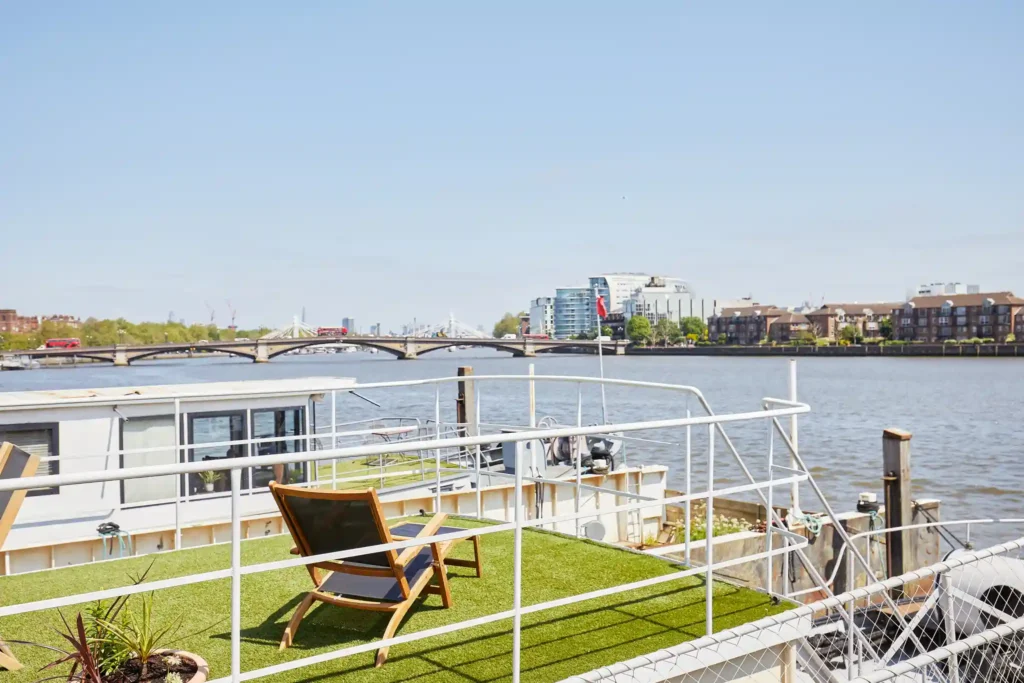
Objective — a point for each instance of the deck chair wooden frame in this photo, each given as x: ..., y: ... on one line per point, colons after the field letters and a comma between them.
x: 382, y: 582
x: 14, y: 463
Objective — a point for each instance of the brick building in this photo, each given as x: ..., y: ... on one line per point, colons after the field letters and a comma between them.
x: 958, y: 316
x: 743, y: 325
x: 789, y: 326
x: 829, y: 320
x: 11, y: 322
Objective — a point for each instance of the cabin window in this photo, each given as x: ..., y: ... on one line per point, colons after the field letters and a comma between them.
x: 37, y: 439
x: 215, y: 428
x: 148, y: 433
x: 278, y: 425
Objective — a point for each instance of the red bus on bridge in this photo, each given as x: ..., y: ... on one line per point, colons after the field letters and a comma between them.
x: 331, y: 331
x: 69, y: 343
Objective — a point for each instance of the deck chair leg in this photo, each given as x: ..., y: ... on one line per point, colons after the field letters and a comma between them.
x: 293, y: 625
x: 476, y: 557
x: 7, y: 659
x: 396, y: 619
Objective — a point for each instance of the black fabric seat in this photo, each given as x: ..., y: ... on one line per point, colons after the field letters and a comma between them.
x: 378, y: 587
x: 410, y: 530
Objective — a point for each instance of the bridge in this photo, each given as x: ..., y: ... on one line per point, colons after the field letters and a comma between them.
x: 262, y: 350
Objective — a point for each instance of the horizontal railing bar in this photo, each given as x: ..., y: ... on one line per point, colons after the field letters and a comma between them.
x: 539, y: 521
x: 906, y: 527
x: 805, y: 611
x: 378, y: 449
x: 395, y: 545
x: 110, y: 593
x: 498, y: 616
x: 322, y: 389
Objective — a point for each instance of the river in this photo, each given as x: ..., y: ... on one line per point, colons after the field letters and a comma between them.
x: 966, y: 415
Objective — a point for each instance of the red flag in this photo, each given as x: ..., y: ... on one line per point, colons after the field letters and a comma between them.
x: 602, y: 312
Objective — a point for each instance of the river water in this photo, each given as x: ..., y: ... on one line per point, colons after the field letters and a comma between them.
x: 966, y: 415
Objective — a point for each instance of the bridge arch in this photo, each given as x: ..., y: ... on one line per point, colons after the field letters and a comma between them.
x: 157, y: 352
x: 288, y: 348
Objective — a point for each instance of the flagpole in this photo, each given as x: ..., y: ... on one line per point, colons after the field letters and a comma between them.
x: 600, y: 359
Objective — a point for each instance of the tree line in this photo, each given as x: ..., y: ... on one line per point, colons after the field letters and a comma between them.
x: 94, y: 332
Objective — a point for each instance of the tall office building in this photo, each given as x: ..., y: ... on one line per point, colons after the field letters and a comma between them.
x: 349, y: 324
x: 660, y: 298
x: 616, y: 288
x: 575, y: 311
x: 542, y: 316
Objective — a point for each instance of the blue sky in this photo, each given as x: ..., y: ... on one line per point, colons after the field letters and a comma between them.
x: 392, y: 160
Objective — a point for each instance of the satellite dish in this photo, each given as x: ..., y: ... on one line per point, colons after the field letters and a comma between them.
x: 595, y: 531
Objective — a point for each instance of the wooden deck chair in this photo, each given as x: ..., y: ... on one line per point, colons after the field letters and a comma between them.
x: 14, y: 463
x: 334, y: 521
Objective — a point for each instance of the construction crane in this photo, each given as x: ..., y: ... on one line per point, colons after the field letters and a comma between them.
x: 232, y: 312
x: 213, y: 313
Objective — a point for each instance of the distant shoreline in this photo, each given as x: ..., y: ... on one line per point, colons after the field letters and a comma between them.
x: 852, y: 351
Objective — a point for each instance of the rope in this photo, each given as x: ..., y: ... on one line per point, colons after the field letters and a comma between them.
x: 943, y: 531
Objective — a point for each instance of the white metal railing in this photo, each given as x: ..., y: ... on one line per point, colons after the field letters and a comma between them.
x: 714, y: 424
x: 963, y: 649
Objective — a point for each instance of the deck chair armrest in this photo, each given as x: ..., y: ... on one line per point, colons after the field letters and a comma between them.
x: 429, y: 529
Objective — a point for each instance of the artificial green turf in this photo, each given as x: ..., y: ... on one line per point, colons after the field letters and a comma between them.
x: 369, y: 466
x: 556, y: 643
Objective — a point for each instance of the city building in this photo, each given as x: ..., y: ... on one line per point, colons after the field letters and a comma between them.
x: 789, y: 326
x: 744, y: 325
x: 58, y: 319
x: 542, y: 316
x: 575, y: 311
x: 957, y: 316
x: 524, y: 324
x: 830, y: 319
x: 13, y: 323
x: 940, y: 288
x: 659, y: 299
x: 616, y: 288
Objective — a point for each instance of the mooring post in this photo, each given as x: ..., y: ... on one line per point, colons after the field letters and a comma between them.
x: 898, y: 503
x: 465, y: 405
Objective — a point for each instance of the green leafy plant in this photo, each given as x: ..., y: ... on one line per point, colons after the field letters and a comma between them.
x: 137, y: 635
x: 210, y: 477
x: 638, y: 329
x: 92, y: 654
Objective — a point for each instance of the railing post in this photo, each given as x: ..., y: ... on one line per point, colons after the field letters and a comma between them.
x: 334, y: 437
x: 687, y: 521
x: 794, y: 488
x: 769, y: 518
x: 178, y: 457
x: 942, y: 583
x: 236, y: 575
x: 709, y: 533
x: 517, y: 571
x: 851, y: 576
x: 579, y: 456
x: 437, y: 451
x: 476, y: 425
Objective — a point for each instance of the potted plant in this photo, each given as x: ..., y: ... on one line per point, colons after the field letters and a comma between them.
x: 118, y: 642
x: 209, y: 479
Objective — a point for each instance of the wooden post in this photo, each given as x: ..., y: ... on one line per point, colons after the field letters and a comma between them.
x: 898, y: 502
x: 465, y: 404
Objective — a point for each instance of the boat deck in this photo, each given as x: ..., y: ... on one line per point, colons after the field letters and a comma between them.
x: 557, y: 643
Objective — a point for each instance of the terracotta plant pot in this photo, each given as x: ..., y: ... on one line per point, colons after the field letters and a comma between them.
x: 202, y: 668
